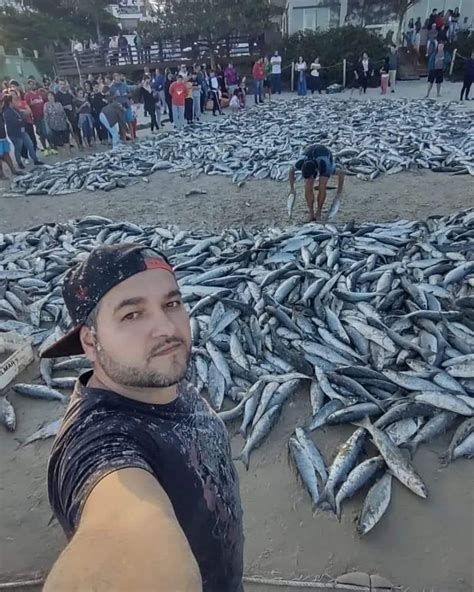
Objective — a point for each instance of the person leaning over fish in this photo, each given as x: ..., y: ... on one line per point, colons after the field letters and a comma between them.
x: 140, y: 476
x: 317, y: 160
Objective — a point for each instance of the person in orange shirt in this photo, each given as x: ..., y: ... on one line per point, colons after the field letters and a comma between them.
x: 178, y: 92
x: 258, y: 74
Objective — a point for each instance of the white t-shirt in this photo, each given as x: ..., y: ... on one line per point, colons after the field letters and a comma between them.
x: 234, y: 102
x: 300, y: 66
x: 214, y: 83
x: 365, y: 65
x: 315, y: 69
x: 276, y: 64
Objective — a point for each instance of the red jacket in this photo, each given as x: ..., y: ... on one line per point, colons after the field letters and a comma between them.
x: 258, y: 71
x: 178, y: 92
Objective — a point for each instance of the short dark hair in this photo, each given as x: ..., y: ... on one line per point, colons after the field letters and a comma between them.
x: 309, y: 169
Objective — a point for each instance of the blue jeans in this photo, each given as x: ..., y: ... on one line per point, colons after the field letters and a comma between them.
x: 86, y: 125
x: 302, y: 84
x: 113, y: 131
x: 18, y: 143
x: 258, y: 91
x: 276, y: 83
x: 178, y: 116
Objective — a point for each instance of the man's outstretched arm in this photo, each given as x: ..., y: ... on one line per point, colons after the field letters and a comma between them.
x: 128, y: 539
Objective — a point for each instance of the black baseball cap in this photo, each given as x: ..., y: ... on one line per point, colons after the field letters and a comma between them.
x: 90, y: 280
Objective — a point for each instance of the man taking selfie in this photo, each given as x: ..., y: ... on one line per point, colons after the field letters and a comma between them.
x: 140, y: 475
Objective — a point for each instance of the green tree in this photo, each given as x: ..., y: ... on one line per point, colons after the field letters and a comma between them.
x: 332, y: 47
x: 212, y: 22
x: 401, y: 8
x: 43, y: 23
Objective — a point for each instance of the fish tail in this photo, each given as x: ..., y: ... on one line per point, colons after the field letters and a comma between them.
x: 338, y: 510
x: 244, y: 457
x: 326, y: 501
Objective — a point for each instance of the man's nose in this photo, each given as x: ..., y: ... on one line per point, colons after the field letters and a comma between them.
x: 161, y: 325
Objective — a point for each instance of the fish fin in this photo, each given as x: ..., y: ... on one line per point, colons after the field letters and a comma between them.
x: 411, y: 448
x: 362, y: 423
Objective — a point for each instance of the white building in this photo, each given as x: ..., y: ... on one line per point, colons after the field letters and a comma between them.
x: 299, y: 15
x: 130, y: 12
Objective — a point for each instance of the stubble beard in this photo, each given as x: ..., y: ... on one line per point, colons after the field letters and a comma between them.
x: 134, y: 377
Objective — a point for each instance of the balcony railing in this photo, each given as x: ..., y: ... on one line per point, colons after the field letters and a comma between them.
x: 168, y: 51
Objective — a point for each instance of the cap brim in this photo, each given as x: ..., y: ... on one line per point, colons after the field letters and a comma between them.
x: 69, y: 345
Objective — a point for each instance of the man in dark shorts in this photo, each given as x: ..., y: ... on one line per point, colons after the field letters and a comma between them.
x: 140, y: 475
x: 435, y: 69
x: 317, y: 160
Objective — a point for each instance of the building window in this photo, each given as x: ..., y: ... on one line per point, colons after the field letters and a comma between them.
x: 310, y: 17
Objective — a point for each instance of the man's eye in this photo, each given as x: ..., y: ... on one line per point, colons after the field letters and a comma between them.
x: 174, y: 304
x: 131, y: 316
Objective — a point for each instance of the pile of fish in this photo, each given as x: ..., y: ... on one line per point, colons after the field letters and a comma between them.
x: 374, y: 321
x: 367, y: 138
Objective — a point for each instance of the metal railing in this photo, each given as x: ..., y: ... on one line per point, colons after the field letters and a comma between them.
x: 100, y: 59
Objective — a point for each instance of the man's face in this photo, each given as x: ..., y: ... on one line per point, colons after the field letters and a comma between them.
x: 116, y: 78
x: 142, y: 335
x: 62, y: 86
x: 31, y: 85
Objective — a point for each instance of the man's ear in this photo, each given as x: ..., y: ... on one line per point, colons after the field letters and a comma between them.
x: 88, y: 341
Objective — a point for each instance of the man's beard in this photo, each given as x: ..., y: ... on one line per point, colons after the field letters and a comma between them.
x: 141, y: 377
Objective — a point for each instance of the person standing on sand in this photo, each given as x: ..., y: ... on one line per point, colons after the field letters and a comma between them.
x: 364, y: 71
x: 435, y: 69
x: 391, y: 66
x: 468, y: 77
x: 300, y: 69
x: 178, y: 92
x: 315, y: 77
x: 5, y: 145
x: 276, y: 72
x: 58, y: 125
x: 317, y: 160
x: 258, y: 75
x: 142, y: 466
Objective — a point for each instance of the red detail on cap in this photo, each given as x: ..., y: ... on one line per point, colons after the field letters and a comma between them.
x: 82, y: 293
x: 158, y: 264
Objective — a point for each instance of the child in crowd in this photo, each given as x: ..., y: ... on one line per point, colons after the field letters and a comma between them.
x: 242, y: 92
x: 235, y: 102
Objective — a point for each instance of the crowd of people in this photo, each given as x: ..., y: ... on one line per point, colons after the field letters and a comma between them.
x: 52, y: 117
x: 443, y: 26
